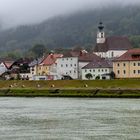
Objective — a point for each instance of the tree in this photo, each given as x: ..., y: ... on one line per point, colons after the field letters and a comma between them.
x: 38, y: 50
x: 112, y: 75
x: 89, y: 76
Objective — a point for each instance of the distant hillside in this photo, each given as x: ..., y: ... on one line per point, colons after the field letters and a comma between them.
x: 77, y: 29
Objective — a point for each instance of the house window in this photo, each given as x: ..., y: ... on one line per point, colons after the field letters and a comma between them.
x: 124, y: 72
x: 75, y: 65
x: 93, y: 70
x: 70, y: 71
x: 134, y: 71
x: 85, y: 70
x: 102, y: 70
x: 105, y: 70
x: 118, y: 64
x: 74, y: 71
x: 66, y: 65
x: 138, y: 71
x: 71, y: 65
x: 118, y: 72
x: 138, y: 64
x: 98, y: 70
x: 134, y: 64
x: 61, y: 65
x: 112, y: 54
x: 71, y: 58
x: 90, y: 70
x: 67, y: 59
x: 63, y: 59
x: 124, y: 64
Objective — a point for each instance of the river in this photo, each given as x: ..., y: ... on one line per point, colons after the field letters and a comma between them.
x: 69, y: 119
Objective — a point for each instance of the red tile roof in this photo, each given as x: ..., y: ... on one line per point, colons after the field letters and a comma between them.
x: 130, y: 55
x: 113, y: 43
x: 50, y: 59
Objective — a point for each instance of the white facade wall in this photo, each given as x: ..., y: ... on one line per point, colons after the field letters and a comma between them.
x: 67, y: 66
x: 26, y: 75
x: 96, y: 72
x: 33, y: 72
x: 81, y: 65
x: 111, y: 53
x: 100, y: 37
x: 2, y: 68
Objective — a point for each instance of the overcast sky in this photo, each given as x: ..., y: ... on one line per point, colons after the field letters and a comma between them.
x: 16, y: 12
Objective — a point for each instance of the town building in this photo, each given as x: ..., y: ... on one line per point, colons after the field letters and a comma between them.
x: 97, y: 69
x: 110, y: 47
x: 48, y: 67
x: 72, y: 62
x: 128, y: 65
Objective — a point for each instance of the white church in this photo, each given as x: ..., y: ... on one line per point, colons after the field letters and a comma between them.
x: 110, y: 47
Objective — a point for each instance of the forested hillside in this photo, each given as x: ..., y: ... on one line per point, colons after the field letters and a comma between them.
x: 76, y: 29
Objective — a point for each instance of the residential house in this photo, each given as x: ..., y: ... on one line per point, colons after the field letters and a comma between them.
x: 48, y: 67
x: 20, y: 69
x: 72, y: 62
x: 97, y: 69
x: 128, y: 65
x: 110, y: 47
x: 34, y: 69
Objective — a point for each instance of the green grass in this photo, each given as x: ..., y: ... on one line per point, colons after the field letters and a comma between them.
x: 73, y: 88
x: 127, y: 83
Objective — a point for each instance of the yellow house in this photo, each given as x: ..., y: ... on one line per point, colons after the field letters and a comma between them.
x: 48, y: 64
x: 128, y: 65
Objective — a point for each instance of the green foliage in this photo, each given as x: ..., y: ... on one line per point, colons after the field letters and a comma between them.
x: 38, y: 50
x: 135, y: 41
x: 77, y: 29
x: 89, y: 76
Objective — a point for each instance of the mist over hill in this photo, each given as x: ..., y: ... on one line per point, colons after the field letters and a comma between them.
x: 75, y: 29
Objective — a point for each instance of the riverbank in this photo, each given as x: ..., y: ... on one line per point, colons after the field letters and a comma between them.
x: 110, y: 93
x: 75, y: 88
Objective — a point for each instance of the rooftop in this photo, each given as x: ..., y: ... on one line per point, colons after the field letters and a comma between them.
x: 113, y: 43
x: 130, y: 55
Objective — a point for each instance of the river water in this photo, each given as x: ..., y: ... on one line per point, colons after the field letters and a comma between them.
x: 69, y: 119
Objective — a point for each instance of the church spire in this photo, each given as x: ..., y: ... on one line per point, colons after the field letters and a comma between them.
x: 100, y: 34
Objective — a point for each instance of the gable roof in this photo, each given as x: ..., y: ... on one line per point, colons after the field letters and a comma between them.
x: 50, y: 59
x: 113, y: 43
x: 130, y: 55
x: 82, y: 55
x: 98, y: 64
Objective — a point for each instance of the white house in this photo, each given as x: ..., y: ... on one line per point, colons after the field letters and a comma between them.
x: 3, y: 68
x: 97, y: 70
x: 67, y: 66
x: 110, y: 47
x: 71, y: 63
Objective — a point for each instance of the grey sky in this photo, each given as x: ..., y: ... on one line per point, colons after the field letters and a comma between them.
x: 15, y: 12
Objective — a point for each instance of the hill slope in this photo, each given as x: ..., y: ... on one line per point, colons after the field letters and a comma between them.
x: 77, y: 29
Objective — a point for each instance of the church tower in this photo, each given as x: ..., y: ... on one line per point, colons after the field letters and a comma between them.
x: 100, y: 34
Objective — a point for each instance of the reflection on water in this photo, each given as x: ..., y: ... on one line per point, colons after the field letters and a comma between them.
x: 69, y: 119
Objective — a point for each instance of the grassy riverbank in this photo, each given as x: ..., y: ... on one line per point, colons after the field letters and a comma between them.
x: 74, y: 88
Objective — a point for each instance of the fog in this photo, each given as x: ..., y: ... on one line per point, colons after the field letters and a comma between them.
x: 20, y: 12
